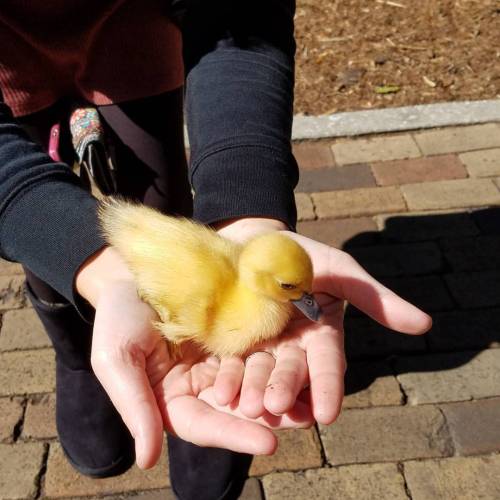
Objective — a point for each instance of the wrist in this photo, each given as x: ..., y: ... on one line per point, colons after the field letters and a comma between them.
x: 100, y: 270
x: 243, y: 228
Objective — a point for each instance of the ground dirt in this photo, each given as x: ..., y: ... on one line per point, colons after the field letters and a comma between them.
x: 355, y: 54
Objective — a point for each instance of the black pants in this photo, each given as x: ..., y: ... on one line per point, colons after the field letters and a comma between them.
x: 148, y: 141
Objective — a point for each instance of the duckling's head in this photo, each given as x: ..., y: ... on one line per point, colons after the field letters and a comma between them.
x: 276, y: 266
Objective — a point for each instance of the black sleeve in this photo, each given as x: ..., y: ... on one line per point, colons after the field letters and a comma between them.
x: 47, y: 221
x: 239, y: 59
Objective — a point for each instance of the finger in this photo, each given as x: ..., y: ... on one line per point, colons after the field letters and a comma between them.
x: 158, y: 363
x: 195, y: 421
x: 203, y: 374
x: 326, y: 362
x: 346, y: 279
x: 286, y: 381
x: 189, y: 375
x: 299, y: 417
x: 258, y: 368
x: 123, y: 376
x: 228, y: 380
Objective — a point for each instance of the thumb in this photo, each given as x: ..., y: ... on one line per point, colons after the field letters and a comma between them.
x: 123, y: 376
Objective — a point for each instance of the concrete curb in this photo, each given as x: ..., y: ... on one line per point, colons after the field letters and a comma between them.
x: 378, y: 121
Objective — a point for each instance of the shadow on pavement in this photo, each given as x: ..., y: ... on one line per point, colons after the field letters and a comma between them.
x: 448, y: 265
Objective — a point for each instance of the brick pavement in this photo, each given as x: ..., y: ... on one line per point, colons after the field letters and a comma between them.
x: 421, y: 415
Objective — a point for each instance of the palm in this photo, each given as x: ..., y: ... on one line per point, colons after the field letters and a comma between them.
x: 187, y: 403
x: 311, y: 354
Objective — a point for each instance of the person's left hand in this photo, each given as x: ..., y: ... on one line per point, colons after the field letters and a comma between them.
x: 306, y: 363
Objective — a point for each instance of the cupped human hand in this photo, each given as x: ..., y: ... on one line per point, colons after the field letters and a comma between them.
x: 154, y: 390
x: 307, y: 361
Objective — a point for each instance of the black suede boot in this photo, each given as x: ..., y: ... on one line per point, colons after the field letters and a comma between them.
x: 92, y: 433
x: 198, y: 473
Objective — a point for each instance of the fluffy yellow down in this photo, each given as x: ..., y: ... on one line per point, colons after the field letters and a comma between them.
x: 222, y: 295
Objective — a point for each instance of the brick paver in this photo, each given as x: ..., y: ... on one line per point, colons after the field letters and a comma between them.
x: 470, y: 478
x: 63, y: 481
x: 465, y: 330
x: 426, y: 292
x: 27, y: 372
x: 11, y: 411
x: 484, y: 163
x: 9, y: 268
x: 367, y: 339
x: 353, y: 176
x: 450, y: 377
x: 461, y: 193
x: 407, y: 433
x: 420, y: 415
x: 375, y: 149
x: 251, y: 490
x: 358, y: 202
x: 12, y: 292
x: 458, y: 139
x: 433, y: 168
x: 20, y: 465
x: 475, y: 289
x: 474, y: 426
x: 297, y: 450
x: 422, y: 226
x: 305, y: 209
x: 473, y: 253
x: 392, y: 260
x: 313, y: 155
x: 163, y: 494
x: 367, y: 482
x: 21, y: 329
x: 40, y: 418
x: 487, y: 219
x: 341, y: 232
x: 371, y: 384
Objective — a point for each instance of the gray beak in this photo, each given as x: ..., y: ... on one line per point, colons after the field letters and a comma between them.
x: 307, y: 304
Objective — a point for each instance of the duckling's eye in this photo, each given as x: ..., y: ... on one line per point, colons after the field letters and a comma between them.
x: 287, y: 286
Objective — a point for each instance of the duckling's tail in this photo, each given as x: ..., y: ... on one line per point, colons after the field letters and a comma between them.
x: 135, y: 230
x: 123, y: 222
x: 145, y: 235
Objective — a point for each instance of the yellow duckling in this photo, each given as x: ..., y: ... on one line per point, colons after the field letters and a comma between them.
x: 222, y: 295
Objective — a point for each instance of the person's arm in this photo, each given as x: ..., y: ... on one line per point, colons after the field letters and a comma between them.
x: 47, y: 221
x: 239, y: 59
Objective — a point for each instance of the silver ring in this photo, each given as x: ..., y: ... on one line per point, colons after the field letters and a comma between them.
x: 258, y: 352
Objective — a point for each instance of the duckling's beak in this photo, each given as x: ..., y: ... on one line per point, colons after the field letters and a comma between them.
x: 308, y: 305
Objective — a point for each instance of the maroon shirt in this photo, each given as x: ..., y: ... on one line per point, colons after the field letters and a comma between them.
x: 103, y: 51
